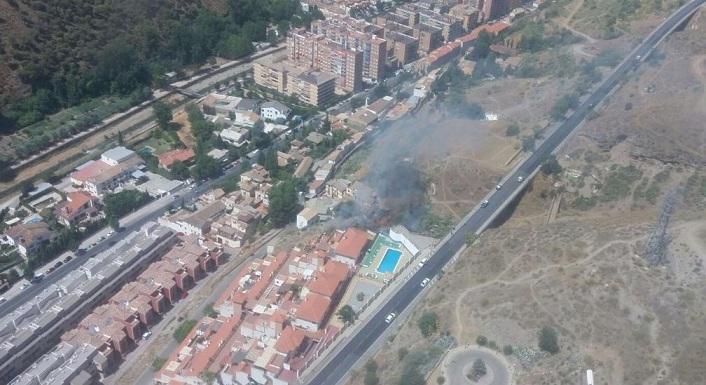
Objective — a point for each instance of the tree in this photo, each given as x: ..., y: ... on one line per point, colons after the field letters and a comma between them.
x: 283, y: 203
x: 26, y: 187
x: 205, y: 167
x: 512, y: 130
x: 371, y: 377
x: 548, y: 340
x: 528, y: 144
x: 381, y: 90
x: 481, y: 47
x: 428, y: 323
x: 7, y: 173
x: 551, y: 166
x: 270, y: 161
x: 479, y: 368
x: 113, y: 222
x: 482, y: 340
x: 179, y: 170
x: 346, y: 314
x: 162, y: 114
x: 508, y: 350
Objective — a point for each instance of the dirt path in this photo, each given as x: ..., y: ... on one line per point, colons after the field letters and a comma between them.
x: 566, y: 22
x: 532, y: 277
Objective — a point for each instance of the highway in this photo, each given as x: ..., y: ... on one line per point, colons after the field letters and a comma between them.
x: 338, y: 367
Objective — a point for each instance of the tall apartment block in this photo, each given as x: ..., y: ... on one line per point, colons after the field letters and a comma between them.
x: 306, y: 84
x: 493, y: 9
x: 317, y: 52
x: 360, y: 36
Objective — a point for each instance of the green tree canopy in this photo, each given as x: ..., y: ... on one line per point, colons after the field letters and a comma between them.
x: 283, y: 203
x: 548, y: 340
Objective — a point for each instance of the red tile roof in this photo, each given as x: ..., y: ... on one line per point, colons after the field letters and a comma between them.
x: 493, y: 29
x: 168, y: 158
x: 90, y: 171
x: 328, y: 281
x: 290, y: 340
x: 352, y: 244
x: 314, y: 308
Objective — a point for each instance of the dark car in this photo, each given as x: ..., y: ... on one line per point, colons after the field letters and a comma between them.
x: 81, y: 251
x: 37, y: 279
x: 58, y: 264
x: 68, y: 258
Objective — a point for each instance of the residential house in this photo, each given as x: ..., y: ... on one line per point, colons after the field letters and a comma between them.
x: 338, y: 188
x: 235, y: 136
x: 306, y: 217
x: 275, y: 111
x: 29, y: 238
x: 78, y: 207
x: 350, y: 248
x: 167, y: 159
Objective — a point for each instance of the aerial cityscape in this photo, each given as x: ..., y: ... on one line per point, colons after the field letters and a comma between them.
x: 352, y: 192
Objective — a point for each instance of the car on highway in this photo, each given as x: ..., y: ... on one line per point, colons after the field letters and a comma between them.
x: 484, y: 204
x: 425, y: 282
x: 390, y: 317
x: 520, y: 179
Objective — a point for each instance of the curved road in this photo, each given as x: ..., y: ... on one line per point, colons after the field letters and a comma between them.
x: 337, y: 368
x: 459, y: 363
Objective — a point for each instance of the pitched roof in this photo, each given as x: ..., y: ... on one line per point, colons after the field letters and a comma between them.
x: 352, y: 244
x: 168, y: 158
x: 314, y: 308
x: 290, y: 339
x: 326, y: 282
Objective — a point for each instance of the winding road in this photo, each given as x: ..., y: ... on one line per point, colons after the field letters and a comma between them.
x: 339, y: 365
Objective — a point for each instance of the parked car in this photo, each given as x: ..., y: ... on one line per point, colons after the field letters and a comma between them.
x: 37, y: 278
x: 498, y: 187
x: 520, y: 179
x: 390, y: 317
x: 58, y: 264
x: 484, y: 204
x: 3, y: 299
x: 425, y: 281
x: 68, y: 258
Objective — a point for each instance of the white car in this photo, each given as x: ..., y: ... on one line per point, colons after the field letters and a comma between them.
x: 390, y: 317
x: 498, y: 187
x: 520, y: 179
x: 146, y: 335
x: 425, y: 281
x: 484, y: 204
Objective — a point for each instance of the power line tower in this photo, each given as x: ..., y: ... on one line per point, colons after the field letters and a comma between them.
x: 656, y: 248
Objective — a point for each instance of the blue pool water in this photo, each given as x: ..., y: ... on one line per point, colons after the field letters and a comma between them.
x: 389, y: 261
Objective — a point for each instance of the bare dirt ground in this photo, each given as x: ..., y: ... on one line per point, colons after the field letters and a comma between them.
x: 184, y: 133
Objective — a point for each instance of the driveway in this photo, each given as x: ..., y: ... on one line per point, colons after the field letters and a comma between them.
x: 459, y: 362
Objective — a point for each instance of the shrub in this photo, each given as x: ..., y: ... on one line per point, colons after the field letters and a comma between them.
x: 548, y: 340
x: 482, y: 340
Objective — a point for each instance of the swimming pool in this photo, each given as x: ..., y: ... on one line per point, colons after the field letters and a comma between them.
x: 389, y: 261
